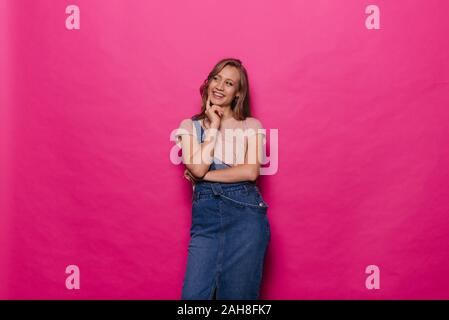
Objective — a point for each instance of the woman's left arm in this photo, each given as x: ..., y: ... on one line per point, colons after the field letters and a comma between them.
x: 237, y: 173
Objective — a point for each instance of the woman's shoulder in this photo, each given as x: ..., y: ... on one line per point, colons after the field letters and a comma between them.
x: 186, y: 121
x: 254, y: 126
x: 185, y: 126
x: 189, y: 122
x: 253, y: 123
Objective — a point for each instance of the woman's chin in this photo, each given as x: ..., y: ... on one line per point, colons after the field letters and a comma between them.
x: 219, y: 102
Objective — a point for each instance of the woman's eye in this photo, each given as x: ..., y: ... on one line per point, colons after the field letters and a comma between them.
x: 229, y: 84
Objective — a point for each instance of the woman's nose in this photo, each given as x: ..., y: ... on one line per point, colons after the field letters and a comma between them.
x: 219, y: 85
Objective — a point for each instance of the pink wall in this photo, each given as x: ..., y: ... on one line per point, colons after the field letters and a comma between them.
x: 87, y: 114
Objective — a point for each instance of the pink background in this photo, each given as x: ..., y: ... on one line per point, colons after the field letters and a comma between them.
x: 86, y: 117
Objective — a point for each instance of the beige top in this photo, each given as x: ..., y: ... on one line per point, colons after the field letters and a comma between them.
x: 232, y: 137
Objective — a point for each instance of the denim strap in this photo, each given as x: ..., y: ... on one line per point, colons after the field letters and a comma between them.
x: 199, y: 130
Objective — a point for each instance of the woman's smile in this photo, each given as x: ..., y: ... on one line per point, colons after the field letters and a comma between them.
x: 218, y: 95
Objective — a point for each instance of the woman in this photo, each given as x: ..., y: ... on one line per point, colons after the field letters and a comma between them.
x: 230, y: 230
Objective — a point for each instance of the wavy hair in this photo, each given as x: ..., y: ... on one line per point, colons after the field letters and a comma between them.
x: 240, y: 106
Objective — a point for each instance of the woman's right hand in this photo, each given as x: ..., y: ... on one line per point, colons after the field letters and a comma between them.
x: 189, y: 176
x: 214, y: 114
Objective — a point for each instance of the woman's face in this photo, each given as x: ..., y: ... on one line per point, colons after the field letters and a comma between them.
x: 224, y: 86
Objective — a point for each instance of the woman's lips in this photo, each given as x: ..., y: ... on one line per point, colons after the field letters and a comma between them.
x: 217, y: 96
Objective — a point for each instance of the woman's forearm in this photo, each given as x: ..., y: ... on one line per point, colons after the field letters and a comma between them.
x: 237, y: 173
x: 202, y: 157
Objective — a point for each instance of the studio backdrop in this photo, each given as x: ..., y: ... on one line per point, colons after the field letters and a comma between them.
x: 354, y: 97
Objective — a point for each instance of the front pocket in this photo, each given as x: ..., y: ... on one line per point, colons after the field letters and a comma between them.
x: 259, y: 195
x: 251, y: 199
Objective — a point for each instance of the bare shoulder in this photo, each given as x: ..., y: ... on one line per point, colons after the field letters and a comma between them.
x: 253, y: 123
x: 186, y: 121
x: 186, y: 124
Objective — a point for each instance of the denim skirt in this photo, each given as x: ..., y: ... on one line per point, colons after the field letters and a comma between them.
x: 229, y: 236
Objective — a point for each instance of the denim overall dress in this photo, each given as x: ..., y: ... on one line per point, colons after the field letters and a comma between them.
x: 229, y: 236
